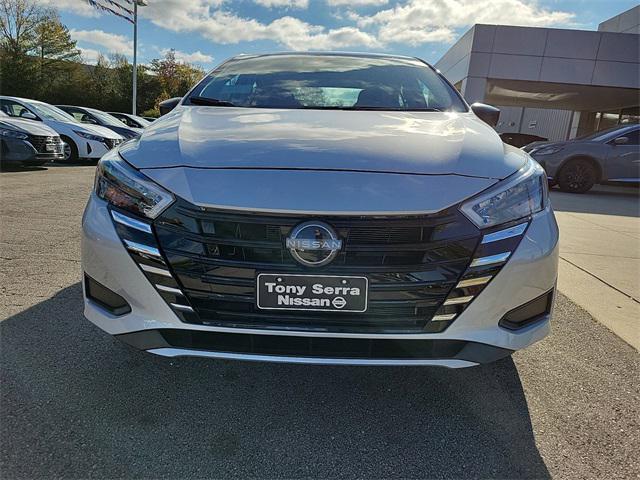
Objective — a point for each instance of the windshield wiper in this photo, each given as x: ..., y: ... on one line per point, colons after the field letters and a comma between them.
x: 213, y: 102
x: 372, y: 109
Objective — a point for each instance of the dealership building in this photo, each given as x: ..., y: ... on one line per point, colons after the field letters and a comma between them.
x: 554, y: 83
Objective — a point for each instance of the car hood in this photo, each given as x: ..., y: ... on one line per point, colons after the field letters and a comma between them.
x: 30, y: 127
x: 432, y: 143
x: 537, y: 145
x: 95, y: 130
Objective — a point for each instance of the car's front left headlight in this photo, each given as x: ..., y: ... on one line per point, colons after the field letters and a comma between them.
x: 90, y: 136
x: 518, y: 196
x: 5, y: 132
x: 124, y: 187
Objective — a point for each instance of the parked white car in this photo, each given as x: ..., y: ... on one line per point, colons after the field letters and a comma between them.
x: 82, y: 141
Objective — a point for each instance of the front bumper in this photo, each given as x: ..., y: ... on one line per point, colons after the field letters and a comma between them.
x: 94, y: 150
x: 474, y: 337
x: 24, y: 151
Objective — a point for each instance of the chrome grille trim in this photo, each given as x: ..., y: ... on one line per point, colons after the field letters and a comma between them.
x: 444, y: 317
x: 184, y: 308
x: 504, y: 234
x: 156, y: 270
x: 490, y: 260
x: 142, y: 249
x: 164, y: 288
x: 130, y: 222
x: 458, y: 300
x: 471, y: 282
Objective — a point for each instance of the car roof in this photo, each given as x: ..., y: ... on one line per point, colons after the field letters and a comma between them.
x: 73, y: 106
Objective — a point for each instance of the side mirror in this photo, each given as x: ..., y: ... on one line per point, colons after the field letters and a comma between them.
x: 168, y: 105
x: 28, y: 115
x: 621, y: 140
x: 90, y: 121
x: 486, y: 113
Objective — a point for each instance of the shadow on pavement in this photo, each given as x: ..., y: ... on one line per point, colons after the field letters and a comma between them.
x: 604, y: 200
x: 77, y: 403
x: 22, y: 168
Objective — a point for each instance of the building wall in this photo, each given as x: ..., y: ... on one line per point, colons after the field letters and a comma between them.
x: 543, y: 55
x: 626, y: 22
x: 577, y: 73
x: 553, y: 124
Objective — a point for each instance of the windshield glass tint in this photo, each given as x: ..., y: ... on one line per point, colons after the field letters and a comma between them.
x: 105, y: 118
x: 141, y: 121
x: 52, y: 113
x: 330, y: 81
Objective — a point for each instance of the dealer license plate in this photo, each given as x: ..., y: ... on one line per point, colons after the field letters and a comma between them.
x: 312, y: 292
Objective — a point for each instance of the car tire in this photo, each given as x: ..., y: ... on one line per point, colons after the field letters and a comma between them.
x: 70, y: 150
x: 577, y: 176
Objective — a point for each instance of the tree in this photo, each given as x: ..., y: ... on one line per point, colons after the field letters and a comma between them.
x: 53, y: 42
x: 18, y: 22
x: 56, y: 52
x: 175, y: 77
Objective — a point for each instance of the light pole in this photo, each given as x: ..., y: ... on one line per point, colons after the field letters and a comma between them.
x: 134, y: 100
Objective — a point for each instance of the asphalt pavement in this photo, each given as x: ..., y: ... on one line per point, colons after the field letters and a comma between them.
x: 75, y: 403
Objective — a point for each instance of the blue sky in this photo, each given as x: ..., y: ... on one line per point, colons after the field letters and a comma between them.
x: 208, y: 31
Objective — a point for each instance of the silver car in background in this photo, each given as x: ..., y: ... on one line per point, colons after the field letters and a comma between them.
x: 608, y: 156
x: 322, y: 208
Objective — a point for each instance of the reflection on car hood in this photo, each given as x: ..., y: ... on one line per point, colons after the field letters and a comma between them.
x: 538, y: 145
x: 368, y: 141
x: 95, y: 130
x: 31, y: 127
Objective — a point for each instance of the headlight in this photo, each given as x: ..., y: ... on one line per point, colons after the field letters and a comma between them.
x: 520, y: 195
x: 89, y: 136
x: 13, y: 134
x: 124, y: 187
x: 545, y: 150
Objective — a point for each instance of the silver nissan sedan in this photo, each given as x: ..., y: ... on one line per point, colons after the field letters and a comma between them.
x: 324, y: 208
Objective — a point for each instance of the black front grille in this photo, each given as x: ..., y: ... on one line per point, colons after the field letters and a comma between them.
x: 40, y: 143
x: 412, y: 264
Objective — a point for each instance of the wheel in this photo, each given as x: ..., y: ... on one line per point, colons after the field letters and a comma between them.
x: 577, y: 176
x: 70, y: 150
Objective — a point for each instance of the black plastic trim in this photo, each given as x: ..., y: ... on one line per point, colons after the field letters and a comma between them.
x: 531, y: 312
x: 105, y: 297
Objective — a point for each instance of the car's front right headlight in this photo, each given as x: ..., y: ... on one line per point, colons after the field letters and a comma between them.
x: 124, y: 187
x: 518, y: 196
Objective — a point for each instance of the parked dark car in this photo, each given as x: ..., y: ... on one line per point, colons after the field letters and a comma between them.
x: 608, y: 156
x: 133, y: 121
x: 98, y: 117
x: 27, y: 142
x: 521, y: 139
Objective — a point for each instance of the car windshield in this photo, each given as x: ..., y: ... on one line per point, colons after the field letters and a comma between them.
x: 51, y: 113
x: 327, y: 82
x: 142, y: 121
x: 105, y: 118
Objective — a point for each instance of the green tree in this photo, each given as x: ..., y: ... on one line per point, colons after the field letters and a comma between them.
x: 56, y: 52
x: 175, y: 77
x: 18, y: 22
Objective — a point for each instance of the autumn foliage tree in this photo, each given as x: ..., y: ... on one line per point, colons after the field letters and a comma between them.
x: 39, y: 59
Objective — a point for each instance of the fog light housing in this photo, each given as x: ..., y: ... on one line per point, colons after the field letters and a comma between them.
x: 529, y: 313
x: 104, y: 297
